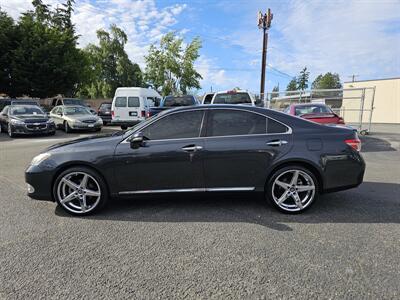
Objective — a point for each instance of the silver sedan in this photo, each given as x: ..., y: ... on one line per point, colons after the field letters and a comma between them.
x: 69, y: 117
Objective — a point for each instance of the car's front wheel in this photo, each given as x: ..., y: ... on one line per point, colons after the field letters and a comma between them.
x: 10, y: 132
x: 80, y: 191
x: 67, y: 128
x: 292, y: 189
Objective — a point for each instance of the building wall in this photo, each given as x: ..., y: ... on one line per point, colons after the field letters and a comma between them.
x: 386, y: 103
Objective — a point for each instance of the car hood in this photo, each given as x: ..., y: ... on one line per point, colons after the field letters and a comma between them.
x: 31, y: 118
x: 110, y: 138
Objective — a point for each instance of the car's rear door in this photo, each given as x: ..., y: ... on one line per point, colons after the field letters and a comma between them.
x: 239, y: 150
x: 170, y: 160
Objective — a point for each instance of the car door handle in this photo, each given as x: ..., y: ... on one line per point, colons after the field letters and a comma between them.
x: 191, y: 148
x: 277, y: 143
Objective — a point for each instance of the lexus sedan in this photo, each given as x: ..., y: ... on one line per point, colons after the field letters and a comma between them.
x: 70, y: 117
x: 24, y: 119
x: 208, y: 148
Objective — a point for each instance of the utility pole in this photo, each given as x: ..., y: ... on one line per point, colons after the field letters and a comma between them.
x: 353, y: 77
x: 264, y: 23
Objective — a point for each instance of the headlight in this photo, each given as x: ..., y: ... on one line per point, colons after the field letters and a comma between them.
x: 99, y: 120
x: 15, y: 122
x: 40, y: 158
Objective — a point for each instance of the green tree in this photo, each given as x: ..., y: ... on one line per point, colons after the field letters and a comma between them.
x: 45, y: 60
x: 302, y: 80
x: 327, y: 81
x: 108, y: 65
x: 8, y: 40
x: 292, y: 85
x: 170, y: 67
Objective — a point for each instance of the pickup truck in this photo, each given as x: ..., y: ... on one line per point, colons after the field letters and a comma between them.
x: 171, y: 102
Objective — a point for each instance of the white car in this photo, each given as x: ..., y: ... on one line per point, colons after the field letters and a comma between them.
x: 234, y: 97
x: 131, y: 105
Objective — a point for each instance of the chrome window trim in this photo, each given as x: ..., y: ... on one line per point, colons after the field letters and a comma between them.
x: 289, y: 131
x: 216, y: 189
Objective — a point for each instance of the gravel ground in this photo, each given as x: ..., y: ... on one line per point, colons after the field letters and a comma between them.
x: 196, y: 246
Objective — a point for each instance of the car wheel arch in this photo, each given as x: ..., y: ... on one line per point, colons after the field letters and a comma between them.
x: 298, y: 162
x: 69, y: 165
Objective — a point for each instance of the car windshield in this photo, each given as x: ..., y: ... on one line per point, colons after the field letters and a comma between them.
x: 170, y: 101
x: 232, y: 98
x: 76, y: 110
x: 312, y: 109
x: 73, y: 102
x: 25, y: 110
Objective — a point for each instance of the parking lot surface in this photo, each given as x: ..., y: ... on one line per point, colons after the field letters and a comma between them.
x: 202, y: 246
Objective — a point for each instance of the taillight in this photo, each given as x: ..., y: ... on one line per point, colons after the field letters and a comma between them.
x: 143, y: 113
x: 354, y: 143
x: 112, y: 114
x: 148, y: 115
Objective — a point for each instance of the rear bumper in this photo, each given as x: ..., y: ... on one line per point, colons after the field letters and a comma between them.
x: 105, y: 118
x: 342, y: 172
x: 126, y: 122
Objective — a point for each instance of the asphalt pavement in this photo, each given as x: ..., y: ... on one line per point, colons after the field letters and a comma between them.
x: 202, y: 246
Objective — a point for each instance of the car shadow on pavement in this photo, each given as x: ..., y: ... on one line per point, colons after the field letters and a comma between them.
x: 372, y: 202
x: 374, y: 144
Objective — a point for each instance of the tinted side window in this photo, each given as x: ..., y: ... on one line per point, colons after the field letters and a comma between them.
x: 175, y: 126
x: 235, y: 122
x: 120, y: 102
x: 275, y: 127
x: 133, y: 102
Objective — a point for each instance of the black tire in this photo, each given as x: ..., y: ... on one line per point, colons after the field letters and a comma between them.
x: 11, y: 134
x: 67, y: 129
x: 103, y: 188
x: 313, y: 196
x: 124, y: 127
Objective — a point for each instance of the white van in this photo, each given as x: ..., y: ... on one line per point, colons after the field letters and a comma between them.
x: 234, y: 97
x: 131, y: 105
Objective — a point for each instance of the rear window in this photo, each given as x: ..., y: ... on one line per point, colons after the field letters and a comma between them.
x: 312, y: 109
x: 120, y: 102
x: 105, y: 106
x: 179, y: 101
x: 232, y: 98
x: 133, y: 102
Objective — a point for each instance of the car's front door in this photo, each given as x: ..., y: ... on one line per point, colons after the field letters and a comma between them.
x: 239, y: 149
x: 170, y: 160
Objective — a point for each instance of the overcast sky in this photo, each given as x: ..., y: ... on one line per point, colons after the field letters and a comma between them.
x: 347, y: 37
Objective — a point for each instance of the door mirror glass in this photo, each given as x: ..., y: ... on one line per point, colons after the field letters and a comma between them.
x: 137, y: 140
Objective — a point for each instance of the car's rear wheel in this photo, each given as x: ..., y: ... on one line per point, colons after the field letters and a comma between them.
x: 292, y: 189
x: 80, y: 191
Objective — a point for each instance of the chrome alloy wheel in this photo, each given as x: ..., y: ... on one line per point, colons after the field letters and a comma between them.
x: 78, y: 192
x: 293, y: 190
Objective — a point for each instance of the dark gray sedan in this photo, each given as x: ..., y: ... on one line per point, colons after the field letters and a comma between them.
x: 210, y: 148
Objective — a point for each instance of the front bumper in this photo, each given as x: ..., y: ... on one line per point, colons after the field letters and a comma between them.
x: 27, y: 129
x: 39, y: 183
x: 86, y: 125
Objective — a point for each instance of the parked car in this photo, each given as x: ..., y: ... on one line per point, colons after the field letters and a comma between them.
x: 207, y: 98
x: 70, y: 117
x: 316, y: 112
x: 131, y: 105
x: 9, y: 101
x: 24, y: 119
x: 172, y: 102
x: 204, y: 148
x: 234, y: 97
x: 104, y: 112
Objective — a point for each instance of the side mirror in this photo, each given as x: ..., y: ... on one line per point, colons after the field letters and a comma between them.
x: 137, y: 140
x: 60, y: 113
